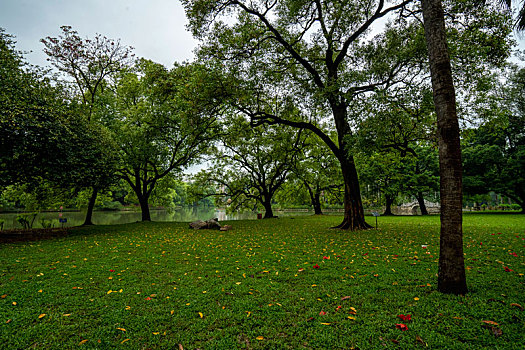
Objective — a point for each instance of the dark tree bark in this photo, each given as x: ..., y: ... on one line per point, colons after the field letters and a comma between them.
x: 421, y: 202
x: 354, y: 215
x: 144, y: 206
x: 316, y: 202
x: 389, y: 202
x: 91, y: 205
x: 268, y: 212
x: 451, y: 274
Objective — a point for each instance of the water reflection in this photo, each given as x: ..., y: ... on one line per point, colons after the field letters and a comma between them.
x: 186, y: 214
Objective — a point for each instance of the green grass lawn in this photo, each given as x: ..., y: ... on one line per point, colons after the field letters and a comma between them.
x: 158, y: 285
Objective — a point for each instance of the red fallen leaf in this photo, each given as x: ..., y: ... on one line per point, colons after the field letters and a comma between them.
x: 326, y: 257
x: 322, y: 313
x: 111, y: 270
x: 394, y: 341
x: 148, y: 298
x: 316, y: 266
x: 492, y: 234
x: 406, y: 318
x: 365, y: 254
x: 499, y: 233
x: 513, y: 254
x: 338, y: 308
x: 507, y: 269
x: 517, y: 305
x: 300, y: 270
x: 401, y: 326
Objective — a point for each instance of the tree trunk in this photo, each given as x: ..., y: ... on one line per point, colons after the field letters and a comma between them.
x: 354, y: 215
x: 91, y: 205
x: 421, y: 201
x: 144, y: 207
x: 388, y: 209
x: 451, y: 274
x: 316, y: 202
x: 268, y: 212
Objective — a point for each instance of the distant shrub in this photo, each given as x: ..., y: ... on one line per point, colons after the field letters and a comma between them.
x: 26, y: 220
x: 46, y: 223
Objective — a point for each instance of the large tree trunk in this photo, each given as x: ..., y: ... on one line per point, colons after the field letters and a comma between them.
x: 91, y: 205
x: 389, y: 201
x: 354, y: 215
x: 451, y: 274
x: 316, y: 202
x: 144, y: 207
x: 268, y: 212
x: 421, y: 202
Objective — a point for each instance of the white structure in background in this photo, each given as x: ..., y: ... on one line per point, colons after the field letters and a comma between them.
x: 412, y: 208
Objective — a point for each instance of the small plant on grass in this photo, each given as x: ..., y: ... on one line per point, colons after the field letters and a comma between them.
x: 46, y: 223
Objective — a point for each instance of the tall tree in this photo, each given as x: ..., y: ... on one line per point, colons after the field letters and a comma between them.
x: 43, y: 136
x: 89, y: 63
x: 164, y: 121
x: 309, y: 55
x: 251, y: 165
x: 451, y: 274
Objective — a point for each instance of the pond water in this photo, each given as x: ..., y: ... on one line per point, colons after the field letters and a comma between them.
x: 187, y: 214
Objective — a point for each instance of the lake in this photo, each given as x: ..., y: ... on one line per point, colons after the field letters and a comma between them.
x: 186, y: 214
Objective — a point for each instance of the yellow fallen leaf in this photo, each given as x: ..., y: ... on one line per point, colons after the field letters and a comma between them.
x: 248, y: 313
x: 128, y: 307
x: 109, y: 291
x: 40, y: 291
x: 172, y: 311
x: 121, y: 329
x: 125, y: 340
x: 351, y: 318
x: 353, y: 309
x: 204, y: 292
x: 416, y: 298
x: 201, y: 315
x: 490, y: 322
x: 14, y: 303
x: 156, y: 333
x: 326, y: 323
x: 260, y: 338
x: 83, y: 342
x: 237, y: 283
x: 66, y: 315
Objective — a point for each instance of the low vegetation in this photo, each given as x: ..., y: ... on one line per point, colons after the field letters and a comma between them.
x: 266, y: 284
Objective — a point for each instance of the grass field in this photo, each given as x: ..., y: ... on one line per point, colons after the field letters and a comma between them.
x: 267, y: 284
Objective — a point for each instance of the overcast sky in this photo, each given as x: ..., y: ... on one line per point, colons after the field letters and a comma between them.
x: 155, y: 28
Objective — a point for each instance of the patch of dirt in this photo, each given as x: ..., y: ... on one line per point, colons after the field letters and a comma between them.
x: 15, y: 235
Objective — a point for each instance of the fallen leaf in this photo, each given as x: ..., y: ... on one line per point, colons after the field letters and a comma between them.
x: 201, y: 315
x: 66, y: 315
x: 322, y: 313
x: 41, y: 315
x: 121, y: 329
x: 345, y: 297
x: 83, y: 342
x: 394, y: 341
x: 172, y: 311
x: 490, y: 322
x: 180, y: 347
x: 401, y: 326
x: 351, y: 318
x: 325, y: 323
x: 9, y: 320
x: 156, y: 333
x: 420, y: 341
x: 260, y: 338
x: 517, y: 305
x: 14, y: 303
x: 416, y: 298
x: 125, y: 340
x: 3, y: 296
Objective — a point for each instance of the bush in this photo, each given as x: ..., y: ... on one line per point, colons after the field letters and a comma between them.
x: 26, y: 220
x: 46, y: 223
